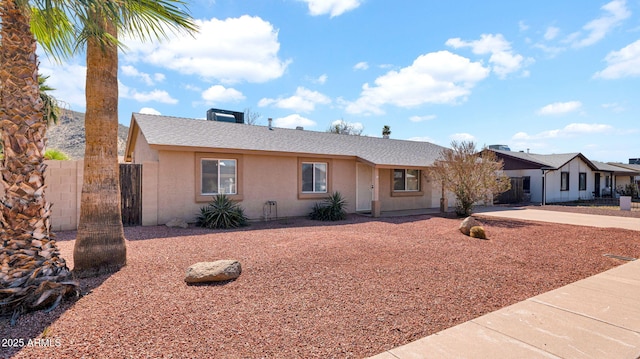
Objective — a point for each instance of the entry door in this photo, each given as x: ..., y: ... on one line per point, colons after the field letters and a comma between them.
x: 596, y: 184
x: 364, y: 183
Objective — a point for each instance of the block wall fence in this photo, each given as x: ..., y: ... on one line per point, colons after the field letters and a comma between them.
x: 64, y: 188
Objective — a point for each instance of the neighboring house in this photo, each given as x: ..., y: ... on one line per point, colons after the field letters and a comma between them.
x: 620, y: 176
x: 557, y: 177
x: 187, y: 161
x: 633, y: 169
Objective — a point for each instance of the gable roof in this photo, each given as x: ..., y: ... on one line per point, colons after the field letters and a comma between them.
x: 194, y: 133
x: 552, y: 161
x: 625, y: 169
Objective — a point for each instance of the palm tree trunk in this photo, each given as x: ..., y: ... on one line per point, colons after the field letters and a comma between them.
x: 32, y: 274
x: 100, y: 244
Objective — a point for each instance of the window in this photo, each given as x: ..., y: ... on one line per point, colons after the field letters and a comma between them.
x: 218, y: 176
x: 564, y: 181
x: 582, y: 181
x: 314, y: 177
x: 526, y: 184
x: 406, y: 180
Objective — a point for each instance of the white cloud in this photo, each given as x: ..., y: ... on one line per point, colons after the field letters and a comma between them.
x: 503, y: 59
x: 149, y: 111
x: 230, y: 50
x: 361, y: 66
x: 622, y: 63
x: 551, y: 33
x: 614, y: 106
x: 322, y: 79
x: 523, y: 25
x: 219, y: 93
x: 67, y: 79
x: 155, y: 95
x: 293, y: 121
x: 422, y: 118
x: 462, y: 137
x: 597, y: 29
x: 437, y: 77
x: 150, y: 80
x: 570, y: 130
x: 304, y: 100
x: 333, y: 7
x: 559, y: 108
x: 421, y: 139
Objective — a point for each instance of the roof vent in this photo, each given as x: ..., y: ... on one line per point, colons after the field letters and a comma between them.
x: 216, y: 114
x: 299, y: 128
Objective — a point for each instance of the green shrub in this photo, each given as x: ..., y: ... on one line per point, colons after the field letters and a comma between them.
x: 222, y: 213
x: 55, y: 154
x: 331, y: 209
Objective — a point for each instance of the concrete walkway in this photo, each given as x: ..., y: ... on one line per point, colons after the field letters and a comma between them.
x: 597, y: 317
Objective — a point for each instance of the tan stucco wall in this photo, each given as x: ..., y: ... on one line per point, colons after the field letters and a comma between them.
x: 142, y: 151
x: 265, y: 178
x: 430, y: 197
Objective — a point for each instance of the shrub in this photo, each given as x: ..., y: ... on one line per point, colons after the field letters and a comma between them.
x: 477, y: 232
x: 331, y: 209
x: 55, y: 154
x: 222, y: 213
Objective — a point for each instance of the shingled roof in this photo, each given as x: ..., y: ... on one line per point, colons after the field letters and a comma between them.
x: 185, y: 132
x: 552, y: 161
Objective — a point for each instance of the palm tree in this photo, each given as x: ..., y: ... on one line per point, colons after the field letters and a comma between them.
x: 100, y: 243
x: 32, y: 274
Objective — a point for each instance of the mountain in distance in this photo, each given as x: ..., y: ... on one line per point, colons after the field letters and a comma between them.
x: 68, y: 135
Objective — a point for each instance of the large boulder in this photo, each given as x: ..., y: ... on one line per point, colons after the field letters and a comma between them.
x: 217, y: 271
x: 465, y: 226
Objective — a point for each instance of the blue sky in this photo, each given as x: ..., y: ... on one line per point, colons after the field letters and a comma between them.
x: 548, y: 76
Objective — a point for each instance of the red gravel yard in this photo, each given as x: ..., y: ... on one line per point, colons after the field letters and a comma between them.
x: 308, y: 289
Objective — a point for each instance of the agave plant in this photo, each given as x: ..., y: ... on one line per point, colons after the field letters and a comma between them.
x: 331, y: 209
x: 222, y: 213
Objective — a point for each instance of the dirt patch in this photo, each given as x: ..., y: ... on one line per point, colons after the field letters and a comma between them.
x: 349, y: 289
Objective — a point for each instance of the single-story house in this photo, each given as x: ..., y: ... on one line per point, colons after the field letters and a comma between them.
x: 561, y: 177
x: 268, y: 170
x: 633, y: 171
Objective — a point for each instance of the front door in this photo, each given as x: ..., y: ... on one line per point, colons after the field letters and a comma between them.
x: 596, y: 184
x: 364, y: 190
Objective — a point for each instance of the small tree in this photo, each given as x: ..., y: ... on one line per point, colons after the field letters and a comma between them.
x: 471, y: 175
x: 251, y: 117
x: 342, y: 127
x: 386, y: 131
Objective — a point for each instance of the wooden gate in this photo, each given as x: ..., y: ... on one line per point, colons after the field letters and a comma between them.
x: 131, y: 194
x: 515, y: 194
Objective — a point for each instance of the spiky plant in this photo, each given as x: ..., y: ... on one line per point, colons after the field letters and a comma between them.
x: 55, y: 154
x: 331, y: 209
x: 222, y: 213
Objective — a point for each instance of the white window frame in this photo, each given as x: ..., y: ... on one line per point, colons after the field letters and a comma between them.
x: 220, y: 185
x: 313, y: 180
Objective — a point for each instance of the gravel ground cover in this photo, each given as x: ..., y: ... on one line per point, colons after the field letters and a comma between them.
x: 349, y: 289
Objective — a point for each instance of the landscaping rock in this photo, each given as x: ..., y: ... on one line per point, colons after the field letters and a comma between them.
x: 217, y: 271
x: 177, y: 223
x: 465, y: 226
x: 477, y: 232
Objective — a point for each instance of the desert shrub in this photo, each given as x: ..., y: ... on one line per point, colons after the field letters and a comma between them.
x: 221, y: 213
x: 55, y: 154
x: 331, y: 209
x: 477, y: 232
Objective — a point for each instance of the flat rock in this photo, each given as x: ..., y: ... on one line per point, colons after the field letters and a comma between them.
x: 217, y: 271
x: 177, y: 223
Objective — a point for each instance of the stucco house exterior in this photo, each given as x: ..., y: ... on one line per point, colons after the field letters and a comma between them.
x: 187, y: 161
x: 562, y: 177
